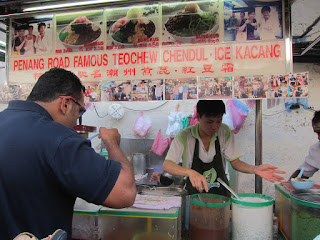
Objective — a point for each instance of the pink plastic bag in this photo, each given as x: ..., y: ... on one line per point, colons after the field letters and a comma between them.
x: 141, y: 125
x: 193, y: 120
x: 159, y: 145
x: 239, y: 113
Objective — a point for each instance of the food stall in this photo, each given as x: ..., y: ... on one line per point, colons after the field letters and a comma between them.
x: 144, y: 54
x: 297, y: 211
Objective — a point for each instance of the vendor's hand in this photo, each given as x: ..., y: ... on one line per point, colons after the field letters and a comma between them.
x: 155, y: 177
x: 109, y: 136
x: 198, y: 181
x: 267, y: 172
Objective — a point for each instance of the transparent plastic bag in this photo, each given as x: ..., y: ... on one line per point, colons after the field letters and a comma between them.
x: 159, y: 145
x: 142, y: 125
x: 174, y: 123
x: 239, y: 113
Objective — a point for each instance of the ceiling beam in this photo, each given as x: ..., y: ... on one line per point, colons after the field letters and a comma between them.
x: 311, y: 45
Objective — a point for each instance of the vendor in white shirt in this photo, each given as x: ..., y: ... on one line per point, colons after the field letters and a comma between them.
x: 269, y: 26
x: 205, y: 147
x: 312, y: 161
x: 43, y: 41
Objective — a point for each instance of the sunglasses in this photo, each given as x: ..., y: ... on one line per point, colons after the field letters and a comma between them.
x: 82, y: 109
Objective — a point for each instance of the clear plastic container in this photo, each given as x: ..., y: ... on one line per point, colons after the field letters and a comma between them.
x: 85, y: 222
x: 252, y: 217
x: 305, y: 216
x: 134, y: 223
x: 209, y: 217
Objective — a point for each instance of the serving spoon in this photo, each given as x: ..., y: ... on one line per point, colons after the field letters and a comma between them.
x: 227, y: 187
x: 300, y: 174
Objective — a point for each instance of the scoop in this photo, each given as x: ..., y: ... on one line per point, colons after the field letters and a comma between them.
x: 92, y: 137
x: 300, y: 174
x: 227, y: 187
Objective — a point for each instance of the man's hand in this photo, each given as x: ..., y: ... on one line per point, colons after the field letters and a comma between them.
x: 267, y: 172
x: 198, y: 181
x: 109, y: 136
x: 155, y: 177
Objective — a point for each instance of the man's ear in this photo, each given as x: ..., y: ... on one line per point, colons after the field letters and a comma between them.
x: 64, y: 106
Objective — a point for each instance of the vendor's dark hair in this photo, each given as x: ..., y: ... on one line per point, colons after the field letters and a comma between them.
x: 251, y: 10
x: 211, y: 108
x: 41, y: 24
x: 316, y: 117
x: 265, y: 9
x: 20, y: 27
x: 54, y: 83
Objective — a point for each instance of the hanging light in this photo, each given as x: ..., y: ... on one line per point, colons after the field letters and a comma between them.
x: 65, y: 5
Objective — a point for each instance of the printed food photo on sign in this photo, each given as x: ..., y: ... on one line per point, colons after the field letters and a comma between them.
x: 9, y: 92
x: 116, y: 91
x: 25, y: 90
x: 156, y: 90
x: 139, y: 90
x: 131, y: 27
x: 243, y: 87
x: 260, y: 86
x: 31, y: 35
x: 279, y: 86
x: 92, y: 92
x: 253, y: 20
x: 215, y: 88
x: 181, y: 89
x: 298, y: 84
x: 80, y: 31
x: 194, y: 22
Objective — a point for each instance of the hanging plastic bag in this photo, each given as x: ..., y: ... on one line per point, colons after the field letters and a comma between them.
x: 159, y: 145
x: 193, y: 120
x: 239, y: 113
x: 227, y: 117
x: 185, y: 122
x: 141, y: 125
x: 174, y: 123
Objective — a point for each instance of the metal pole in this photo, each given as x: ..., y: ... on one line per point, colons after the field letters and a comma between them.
x: 258, y: 144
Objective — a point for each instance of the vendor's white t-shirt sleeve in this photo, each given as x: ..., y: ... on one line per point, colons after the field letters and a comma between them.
x: 175, y: 151
x: 312, y: 161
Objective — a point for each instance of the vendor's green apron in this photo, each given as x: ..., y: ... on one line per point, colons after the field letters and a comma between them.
x: 199, y: 166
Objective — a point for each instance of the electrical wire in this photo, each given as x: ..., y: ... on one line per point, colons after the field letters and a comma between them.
x: 130, y: 109
x: 269, y: 115
x: 135, y: 110
x: 97, y: 112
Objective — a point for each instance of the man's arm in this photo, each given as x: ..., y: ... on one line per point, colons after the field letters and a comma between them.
x: 124, y: 191
x: 265, y: 171
x: 197, y: 180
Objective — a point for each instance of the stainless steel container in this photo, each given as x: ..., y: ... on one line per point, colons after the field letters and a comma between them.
x: 139, y: 163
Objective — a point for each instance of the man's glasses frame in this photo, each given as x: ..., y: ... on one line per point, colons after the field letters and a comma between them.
x: 82, y: 109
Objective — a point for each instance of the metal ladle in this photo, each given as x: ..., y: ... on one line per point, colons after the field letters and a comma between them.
x: 227, y: 187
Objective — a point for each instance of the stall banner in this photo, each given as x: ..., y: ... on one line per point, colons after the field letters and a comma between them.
x: 232, y: 59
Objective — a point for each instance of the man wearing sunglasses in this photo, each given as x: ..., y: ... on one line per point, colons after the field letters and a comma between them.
x: 45, y: 165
